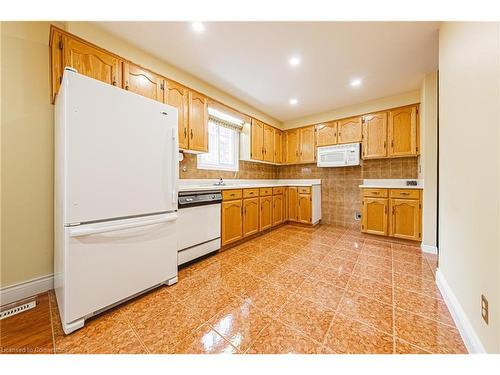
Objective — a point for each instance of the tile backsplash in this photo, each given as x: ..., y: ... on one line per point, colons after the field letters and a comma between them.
x: 248, y: 170
x: 340, y: 194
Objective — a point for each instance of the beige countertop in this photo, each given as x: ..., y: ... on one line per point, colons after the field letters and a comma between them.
x: 202, y: 185
x: 391, y: 184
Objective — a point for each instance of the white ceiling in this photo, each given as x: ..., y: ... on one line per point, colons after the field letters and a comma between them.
x: 250, y: 59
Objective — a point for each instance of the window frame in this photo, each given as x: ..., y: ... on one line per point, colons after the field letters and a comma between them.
x: 200, y: 164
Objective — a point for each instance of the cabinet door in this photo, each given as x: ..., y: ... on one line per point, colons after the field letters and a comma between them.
x: 405, y: 219
x: 292, y: 146
x: 232, y: 222
x: 402, y: 129
x: 56, y: 60
x: 304, y: 208
x: 257, y: 140
x: 91, y: 61
x: 375, y: 216
x: 268, y: 143
x: 285, y: 205
x: 293, y: 204
x: 278, y: 147
x: 198, y: 122
x: 307, y: 145
x: 177, y: 96
x: 326, y: 134
x: 250, y: 216
x: 375, y: 136
x: 277, y: 209
x: 349, y: 130
x: 266, y: 212
x: 142, y: 81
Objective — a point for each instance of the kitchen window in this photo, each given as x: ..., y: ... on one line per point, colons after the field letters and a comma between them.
x: 223, y: 142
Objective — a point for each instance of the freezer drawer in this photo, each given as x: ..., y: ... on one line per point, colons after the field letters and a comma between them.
x: 108, y: 262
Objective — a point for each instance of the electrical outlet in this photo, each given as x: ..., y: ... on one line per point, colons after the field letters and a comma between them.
x: 357, y: 216
x: 484, y: 308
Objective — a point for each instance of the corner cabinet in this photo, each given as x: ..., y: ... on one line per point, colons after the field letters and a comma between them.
x: 301, y: 145
x: 392, y: 212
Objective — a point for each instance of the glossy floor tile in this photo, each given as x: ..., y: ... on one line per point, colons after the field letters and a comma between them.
x: 293, y: 290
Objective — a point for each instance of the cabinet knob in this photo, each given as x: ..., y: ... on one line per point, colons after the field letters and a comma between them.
x: 114, y: 83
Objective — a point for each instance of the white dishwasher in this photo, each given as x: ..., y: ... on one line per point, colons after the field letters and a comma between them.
x: 198, y: 224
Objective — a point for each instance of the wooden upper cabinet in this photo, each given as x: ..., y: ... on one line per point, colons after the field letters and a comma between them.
x: 350, y: 130
x: 402, y: 131
x: 198, y: 122
x: 292, y: 203
x: 232, y: 221
x: 268, y: 143
x: 266, y: 212
x: 375, y: 216
x: 177, y: 96
x: 143, y: 82
x: 277, y: 209
x: 56, y: 61
x: 278, y: 146
x: 91, y: 61
x: 326, y: 134
x: 405, y: 219
x: 257, y: 140
x: 304, y: 208
x: 375, y: 136
x: 292, y: 146
x: 250, y: 216
x: 307, y: 144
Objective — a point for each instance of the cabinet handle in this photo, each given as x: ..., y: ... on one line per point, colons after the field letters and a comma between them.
x: 405, y: 193
x: 376, y: 193
x: 185, y: 133
x: 126, y: 85
x: 191, y: 133
x: 114, y: 83
x: 385, y: 144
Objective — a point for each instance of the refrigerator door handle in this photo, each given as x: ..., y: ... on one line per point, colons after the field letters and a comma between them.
x: 175, y: 167
x: 88, y: 229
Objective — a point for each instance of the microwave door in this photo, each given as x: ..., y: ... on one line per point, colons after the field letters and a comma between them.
x: 333, y: 158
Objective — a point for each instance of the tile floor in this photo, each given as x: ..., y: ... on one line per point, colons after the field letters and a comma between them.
x: 294, y: 290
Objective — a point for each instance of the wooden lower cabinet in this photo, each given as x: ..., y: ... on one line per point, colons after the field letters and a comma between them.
x: 232, y: 221
x: 375, y: 216
x: 250, y: 216
x: 266, y: 212
x: 292, y: 203
x: 304, y: 208
x: 393, y: 212
x: 277, y: 209
x: 405, y: 219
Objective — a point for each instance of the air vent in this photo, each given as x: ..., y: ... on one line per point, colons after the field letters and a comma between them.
x: 17, y: 309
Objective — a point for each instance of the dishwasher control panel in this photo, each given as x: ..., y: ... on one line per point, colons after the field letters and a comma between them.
x: 200, y: 198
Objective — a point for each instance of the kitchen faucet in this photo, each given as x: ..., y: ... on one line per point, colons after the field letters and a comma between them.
x: 220, y: 182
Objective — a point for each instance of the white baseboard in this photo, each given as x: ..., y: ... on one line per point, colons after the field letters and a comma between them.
x: 471, y: 340
x: 429, y: 249
x: 16, y: 292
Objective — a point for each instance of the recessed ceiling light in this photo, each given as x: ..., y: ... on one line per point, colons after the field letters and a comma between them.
x: 356, y: 82
x: 198, y: 27
x: 294, y: 61
x: 293, y: 101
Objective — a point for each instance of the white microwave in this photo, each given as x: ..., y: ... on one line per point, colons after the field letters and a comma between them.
x: 338, y: 155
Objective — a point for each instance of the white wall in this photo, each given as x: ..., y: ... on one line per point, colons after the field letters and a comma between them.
x: 428, y: 158
x: 469, y: 170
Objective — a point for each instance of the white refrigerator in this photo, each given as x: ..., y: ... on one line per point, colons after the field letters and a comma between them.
x: 116, y: 177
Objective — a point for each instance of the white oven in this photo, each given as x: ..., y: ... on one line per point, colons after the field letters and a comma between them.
x: 338, y: 155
